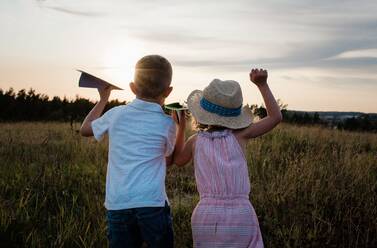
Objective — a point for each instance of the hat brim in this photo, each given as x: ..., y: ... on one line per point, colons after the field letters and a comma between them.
x: 208, y: 118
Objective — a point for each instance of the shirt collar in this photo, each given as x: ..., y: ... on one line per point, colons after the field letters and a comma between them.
x: 144, y: 105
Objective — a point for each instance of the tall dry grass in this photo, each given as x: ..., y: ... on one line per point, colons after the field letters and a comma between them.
x: 311, y: 187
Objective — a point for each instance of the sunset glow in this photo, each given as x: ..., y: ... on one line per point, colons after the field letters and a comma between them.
x: 320, y: 55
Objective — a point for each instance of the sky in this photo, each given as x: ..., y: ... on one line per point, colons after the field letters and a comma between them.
x: 321, y: 55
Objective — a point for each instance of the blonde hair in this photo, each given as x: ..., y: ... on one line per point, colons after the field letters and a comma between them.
x: 153, y: 75
x: 195, y: 125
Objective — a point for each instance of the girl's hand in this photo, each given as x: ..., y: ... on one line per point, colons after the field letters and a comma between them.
x: 258, y: 77
x: 179, y: 118
x: 104, y: 93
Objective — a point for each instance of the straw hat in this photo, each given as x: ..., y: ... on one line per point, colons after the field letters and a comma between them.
x: 220, y: 104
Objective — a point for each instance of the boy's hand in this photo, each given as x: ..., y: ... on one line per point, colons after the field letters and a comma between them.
x: 86, y: 127
x: 104, y: 93
x: 258, y: 77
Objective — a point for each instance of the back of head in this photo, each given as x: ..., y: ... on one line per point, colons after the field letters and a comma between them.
x: 153, y: 75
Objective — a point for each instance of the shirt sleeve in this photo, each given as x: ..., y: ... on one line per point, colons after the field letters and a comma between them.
x: 171, y: 137
x: 101, y: 125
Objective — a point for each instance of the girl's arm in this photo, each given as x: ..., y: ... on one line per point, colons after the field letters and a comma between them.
x: 180, y: 135
x: 182, y: 152
x: 185, y: 154
x: 86, y: 127
x: 274, y: 116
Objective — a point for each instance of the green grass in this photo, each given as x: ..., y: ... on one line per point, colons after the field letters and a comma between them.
x: 311, y: 187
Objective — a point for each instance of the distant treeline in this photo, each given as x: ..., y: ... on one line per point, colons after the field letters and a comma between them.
x: 289, y: 116
x: 363, y: 122
x: 31, y: 106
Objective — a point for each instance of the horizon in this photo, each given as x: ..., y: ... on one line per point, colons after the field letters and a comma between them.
x: 50, y: 97
x: 321, y: 56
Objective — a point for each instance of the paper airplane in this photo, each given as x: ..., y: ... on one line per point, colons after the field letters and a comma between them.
x: 89, y: 81
x: 175, y: 106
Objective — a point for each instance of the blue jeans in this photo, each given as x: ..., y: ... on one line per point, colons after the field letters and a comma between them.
x: 132, y: 227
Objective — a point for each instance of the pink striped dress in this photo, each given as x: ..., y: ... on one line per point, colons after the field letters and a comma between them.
x: 224, y: 216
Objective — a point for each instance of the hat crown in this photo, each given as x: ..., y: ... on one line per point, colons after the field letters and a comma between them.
x: 225, y: 93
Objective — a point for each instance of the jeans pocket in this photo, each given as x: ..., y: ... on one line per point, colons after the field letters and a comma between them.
x: 119, y: 216
x: 153, y: 224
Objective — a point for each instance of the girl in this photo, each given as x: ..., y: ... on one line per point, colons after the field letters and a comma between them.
x: 224, y: 216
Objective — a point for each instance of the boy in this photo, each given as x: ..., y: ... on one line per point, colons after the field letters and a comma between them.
x: 141, y: 143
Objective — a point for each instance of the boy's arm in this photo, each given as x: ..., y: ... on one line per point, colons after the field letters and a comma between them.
x: 274, y: 116
x: 86, y: 127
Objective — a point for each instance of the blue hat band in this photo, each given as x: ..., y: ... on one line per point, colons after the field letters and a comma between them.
x: 216, y: 109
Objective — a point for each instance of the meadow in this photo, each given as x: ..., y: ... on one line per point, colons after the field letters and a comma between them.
x: 311, y: 187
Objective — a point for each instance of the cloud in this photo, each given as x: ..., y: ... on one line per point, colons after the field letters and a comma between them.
x: 75, y: 12
x: 277, y: 34
x: 347, y: 80
x: 271, y: 33
x: 317, y: 56
x: 365, y: 53
x: 66, y: 10
x: 170, y: 36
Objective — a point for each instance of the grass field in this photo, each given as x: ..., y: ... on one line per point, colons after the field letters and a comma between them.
x: 311, y: 187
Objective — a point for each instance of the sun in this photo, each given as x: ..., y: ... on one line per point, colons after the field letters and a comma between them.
x: 119, y: 62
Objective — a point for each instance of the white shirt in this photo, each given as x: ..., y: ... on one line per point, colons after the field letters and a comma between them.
x: 141, y: 135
